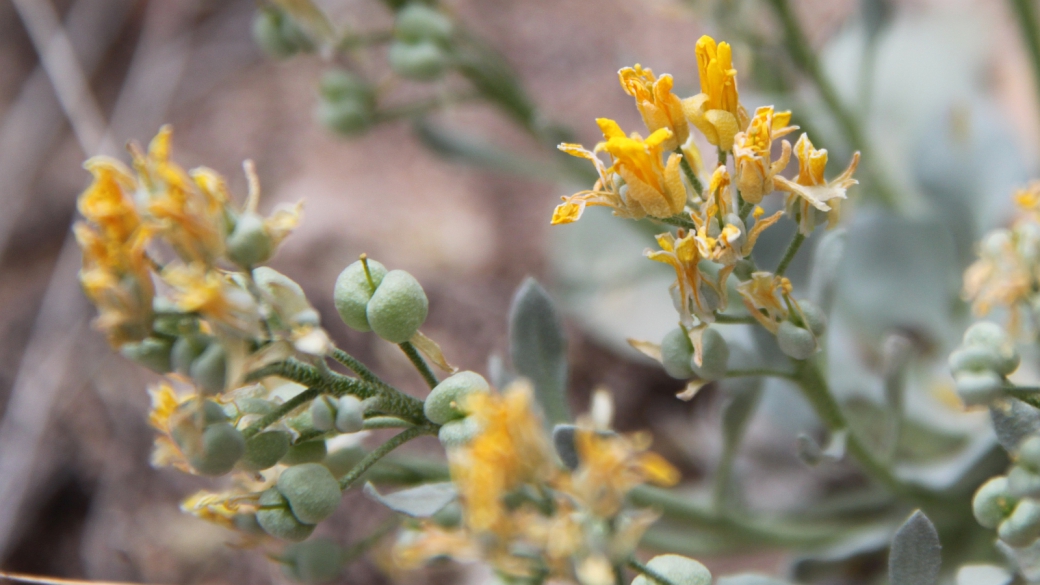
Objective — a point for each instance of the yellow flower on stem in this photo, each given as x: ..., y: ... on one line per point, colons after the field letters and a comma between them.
x: 611, y: 465
x: 1003, y: 276
x: 659, y: 107
x: 752, y: 153
x: 810, y: 190
x: 213, y: 295
x: 716, y: 111
x: 165, y: 405
x: 765, y: 295
x: 694, y: 293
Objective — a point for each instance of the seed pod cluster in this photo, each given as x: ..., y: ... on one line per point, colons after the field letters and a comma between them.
x: 982, y: 362
x: 390, y: 303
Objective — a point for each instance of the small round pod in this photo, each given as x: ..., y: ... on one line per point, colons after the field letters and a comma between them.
x: 312, y: 562
x: 1028, y: 454
x: 1022, y: 482
x: 151, y: 352
x: 185, y: 350
x: 249, y: 243
x: 275, y: 517
x: 1022, y: 527
x: 209, y: 370
x: 457, y: 433
x: 353, y: 292
x: 313, y: 494
x: 305, y: 452
x: 323, y: 413
x: 985, y: 333
x: 350, y: 414
x: 348, y: 117
x: 796, y: 342
x: 247, y: 523
x: 398, y: 307
x: 677, y: 569
x: 269, y: 29
x: 422, y: 61
x: 979, y: 388
x: 676, y: 354
x: 419, y: 22
x: 815, y: 318
x: 993, y: 502
x: 263, y: 450
x: 447, y: 400
x: 220, y: 448
x: 714, y: 356
x: 974, y: 358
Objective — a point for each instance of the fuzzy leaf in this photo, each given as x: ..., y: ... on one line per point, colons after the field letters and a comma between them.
x: 914, y: 558
x: 418, y: 502
x: 1013, y: 421
x: 538, y: 348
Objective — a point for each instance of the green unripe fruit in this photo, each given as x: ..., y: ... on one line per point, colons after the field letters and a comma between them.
x: 422, y: 61
x: 313, y: 494
x: 209, y: 370
x: 1028, y: 455
x: 305, y: 452
x: 676, y: 353
x: 350, y: 415
x: 338, y: 85
x: 743, y: 269
x: 1023, y: 482
x: 277, y: 520
x: 449, y: 516
x: 398, y: 308
x: 348, y: 117
x: 447, y: 400
x: 247, y: 523
x: 220, y: 448
x: 815, y: 319
x: 312, y: 562
x: 151, y: 352
x: 796, y: 342
x: 564, y: 441
x: 185, y: 350
x: 985, y: 333
x: 1022, y: 527
x: 353, y: 292
x: 268, y: 25
x: 263, y: 450
x: 679, y: 570
x: 341, y: 461
x: 974, y: 358
x: 257, y: 406
x: 249, y: 244
x: 714, y: 356
x: 993, y: 502
x: 457, y: 433
x: 979, y: 388
x: 419, y: 22
x: 323, y: 414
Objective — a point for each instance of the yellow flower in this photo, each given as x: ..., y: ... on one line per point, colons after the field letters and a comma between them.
x: 659, y: 107
x: 752, y: 152
x: 1028, y: 198
x: 695, y: 294
x: 636, y: 184
x: 165, y: 405
x: 764, y: 296
x: 212, y: 294
x: 716, y: 111
x: 611, y: 465
x: 1003, y: 276
x: 811, y: 190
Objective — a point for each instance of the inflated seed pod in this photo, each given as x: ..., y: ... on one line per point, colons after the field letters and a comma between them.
x: 796, y: 342
x: 350, y: 414
x: 974, y: 358
x: 151, y: 352
x: 353, y: 293
x: 348, y: 117
x: 250, y: 243
x: 313, y: 494
x: 993, y: 502
x: 209, y: 370
x: 421, y: 61
x: 323, y: 413
x: 815, y: 319
x: 258, y: 406
x: 275, y: 517
x: 457, y: 433
x: 398, y: 308
x: 679, y: 570
x: 447, y: 400
x: 305, y: 452
x: 1028, y: 454
x: 714, y: 356
x: 263, y: 450
x: 979, y: 388
x: 1023, y: 482
x: 340, y: 461
x: 312, y: 562
x: 269, y: 32
x: 247, y: 523
x: 220, y: 448
x: 1022, y: 527
x: 419, y: 22
x: 676, y: 353
x: 563, y: 437
x: 985, y: 333
x: 185, y: 350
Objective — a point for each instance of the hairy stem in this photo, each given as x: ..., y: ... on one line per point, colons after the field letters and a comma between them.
x: 1025, y: 14
x: 381, y: 451
x: 688, y: 171
x: 635, y: 565
x: 282, y: 411
x: 789, y: 255
x: 419, y: 363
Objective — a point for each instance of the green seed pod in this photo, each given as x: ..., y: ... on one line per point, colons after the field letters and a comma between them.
x: 312, y: 562
x: 815, y: 319
x: 418, y: 22
x: 447, y: 400
x: 305, y: 452
x: 249, y: 244
x: 221, y: 447
x: 743, y: 269
x: 268, y: 25
x: 337, y: 85
x: 209, y: 370
x: 263, y: 450
x: 277, y: 520
x: 341, y: 461
x: 714, y: 356
x: 350, y: 415
x: 1028, y: 455
x: 796, y: 342
x: 974, y: 358
x: 1022, y: 527
x: 679, y: 570
x: 151, y: 352
x: 257, y: 406
x: 185, y: 350
x: 563, y: 437
x: 398, y: 308
x: 349, y: 118
x: 676, y: 354
x: 313, y: 494
x: 353, y: 292
x: 457, y: 433
x: 979, y: 388
x: 449, y: 516
x: 993, y: 502
x: 985, y: 333
x: 1022, y: 482
x: 247, y: 523
x: 323, y: 413
x: 422, y: 61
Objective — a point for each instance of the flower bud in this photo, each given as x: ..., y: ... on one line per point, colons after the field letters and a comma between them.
x: 676, y: 354
x: 993, y: 502
x: 1023, y: 525
x: 1028, y: 455
x: 277, y: 520
x: 398, y: 307
x: 418, y: 22
x: 446, y: 401
x: 151, y: 352
x: 422, y: 61
x: 312, y: 562
x: 305, y: 452
x: 1022, y: 482
x: 249, y: 244
x: 979, y: 388
x: 313, y: 494
x: 456, y: 433
x: 815, y: 319
x: 263, y: 450
x: 677, y: 569
x: 796, y: 342
x: 350, y: 414
x: 209, y: 370
x: 218, y: 451
x: 353, y: 293
x: 323, y: 413
x: 185, y: 350
x: 714, y: 356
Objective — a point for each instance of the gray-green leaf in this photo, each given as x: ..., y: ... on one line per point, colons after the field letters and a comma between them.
x: 1013, y: 421
x: 914, y: 558
x: 418, y: 502
x: 749, y: 579
x: 538, y: 348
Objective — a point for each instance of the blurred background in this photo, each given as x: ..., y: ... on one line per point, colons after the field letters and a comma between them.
x: 943, y: 91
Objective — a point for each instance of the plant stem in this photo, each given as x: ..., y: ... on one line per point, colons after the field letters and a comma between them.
x: 688, y: 171
x: 283, y: 410
x: 359, y: 368
x: 386, y: 422
x: 1027, y: 394
x: 792, y: 249
x: 652, y: 574
x: 1025, y: 14
x: 764, y: 373
x: 381, y: 451
x: 419, y: 363
x: 734, y: 319
x: 679, y: 220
